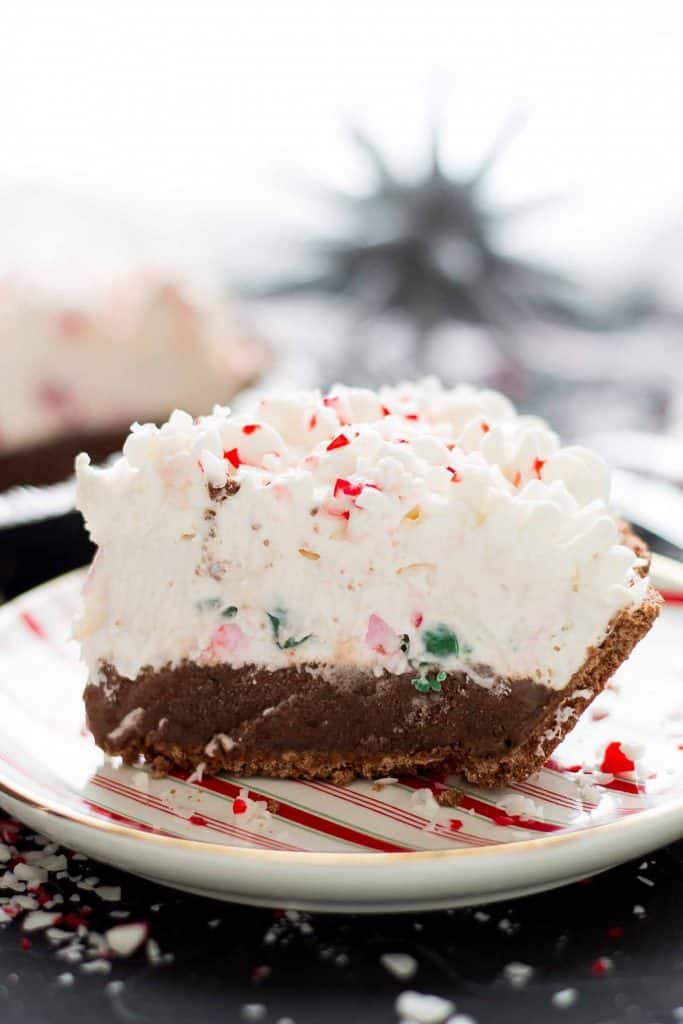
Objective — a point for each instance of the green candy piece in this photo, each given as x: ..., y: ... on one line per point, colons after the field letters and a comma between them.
x: 291, y: 642
x: 275, y: 623
x: 425, y: 684
x: 229, y: 613
x: 440, y: 641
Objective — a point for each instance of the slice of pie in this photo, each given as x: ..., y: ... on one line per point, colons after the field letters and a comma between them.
x: 362, y: 583
x: 72, y: 376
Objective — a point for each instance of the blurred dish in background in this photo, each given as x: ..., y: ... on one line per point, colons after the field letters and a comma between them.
x: 74, y: 376
x: 435, y: 275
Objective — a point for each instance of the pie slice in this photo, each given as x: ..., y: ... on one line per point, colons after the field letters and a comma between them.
x: 70, y: 374
x: 357, y: 584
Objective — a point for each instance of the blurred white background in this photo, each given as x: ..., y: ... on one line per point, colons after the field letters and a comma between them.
x: 194, y: 112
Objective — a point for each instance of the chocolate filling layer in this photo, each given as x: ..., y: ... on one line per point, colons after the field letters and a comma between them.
x: 294, y: 709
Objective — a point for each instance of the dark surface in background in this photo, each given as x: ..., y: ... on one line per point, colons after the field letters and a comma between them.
x: 326, y: 969
x: 32, y: 553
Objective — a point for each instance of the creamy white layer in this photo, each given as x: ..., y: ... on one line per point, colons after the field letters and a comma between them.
x: 411, y: 528
x: 143, y: 350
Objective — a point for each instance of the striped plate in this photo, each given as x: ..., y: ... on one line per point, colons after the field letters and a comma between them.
x: 394, y: 845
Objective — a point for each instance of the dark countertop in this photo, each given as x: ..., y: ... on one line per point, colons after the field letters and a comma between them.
x: 316, y: 968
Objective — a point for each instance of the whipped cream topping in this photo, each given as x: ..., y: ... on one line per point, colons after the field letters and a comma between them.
x: 412, y: 529
x: 143, y: 350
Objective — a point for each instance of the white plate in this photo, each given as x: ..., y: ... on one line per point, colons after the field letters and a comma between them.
x: 320, y: 847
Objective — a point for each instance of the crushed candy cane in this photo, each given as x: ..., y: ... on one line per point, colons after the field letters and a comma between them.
x: 565, y: 998
x: 422, y: 1008
x: 424, y: 803
x: 615, y: 760
x: 124, y: 939
x: 35, y: 904
x: 402, y: 965
x: 518, y: 974
x: 521, y: 807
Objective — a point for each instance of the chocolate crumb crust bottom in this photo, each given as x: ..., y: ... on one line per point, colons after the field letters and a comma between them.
x: 336, y: 723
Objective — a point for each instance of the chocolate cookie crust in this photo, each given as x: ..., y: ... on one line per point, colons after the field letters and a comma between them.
x: 332, y: 722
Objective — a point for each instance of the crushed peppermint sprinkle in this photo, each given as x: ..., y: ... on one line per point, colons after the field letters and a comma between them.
x: 402, y: 965
x: 259, y: 973
x: 38, y: 920
x: 35, y: 905
x: 109, y: 893
x: 423, y: 802
x: 601, y: 965
x: 99, y: 966
x: 521, y: 807
x: 198, y: 774
x: 250, y: 428
x: 342, y: 486
x: 334, y: 402
x: 340, y: 514
x: 253, y: 1011
x: 615, y: 760
x: 422, y: 1008
x: 565, y: 998
x: 233, y: 457
x: 239, y: 806
x: 123, y: 939
x: 518, y: 974
x: 634, y: 751
x: 340, y: 441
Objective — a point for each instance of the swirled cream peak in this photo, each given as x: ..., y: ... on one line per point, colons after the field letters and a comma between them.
x: 413, y: 527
